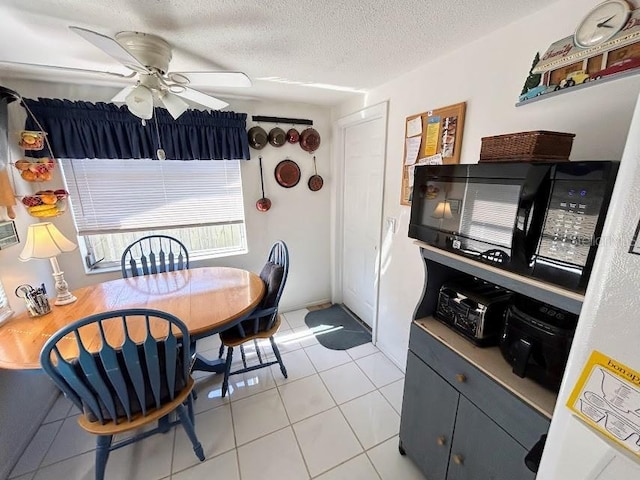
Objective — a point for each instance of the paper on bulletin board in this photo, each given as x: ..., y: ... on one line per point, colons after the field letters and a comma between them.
x: 414, y: 126
x: 432, y: 137
x: 412, y: 148
x: 607, y: 398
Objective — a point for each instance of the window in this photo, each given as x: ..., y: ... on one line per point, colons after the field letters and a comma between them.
x: 115, y: 202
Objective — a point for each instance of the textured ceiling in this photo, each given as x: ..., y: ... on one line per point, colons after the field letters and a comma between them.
x: 352, y: 43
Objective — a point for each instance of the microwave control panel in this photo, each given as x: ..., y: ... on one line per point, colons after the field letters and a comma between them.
x: 569, y: 228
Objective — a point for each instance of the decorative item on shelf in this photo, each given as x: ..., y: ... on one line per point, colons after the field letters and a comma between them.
x: 30, y: 140
x: 533, y: 146
x: 46, y: 203
x: 605, y: 45
x: 44, y: 240
x: 36, y: 169
x: 35, y: 299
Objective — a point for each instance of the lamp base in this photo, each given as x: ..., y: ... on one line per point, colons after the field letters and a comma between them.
x: 66, y: 300
x: 64, y: 296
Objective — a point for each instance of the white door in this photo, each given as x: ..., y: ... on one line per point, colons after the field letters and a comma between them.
x: 364, y: 152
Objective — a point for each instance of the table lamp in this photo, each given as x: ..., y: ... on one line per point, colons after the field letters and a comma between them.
x: 44, y: 240
x: 442, y: 210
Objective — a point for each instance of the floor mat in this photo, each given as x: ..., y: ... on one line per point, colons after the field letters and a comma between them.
x: 337, y: 329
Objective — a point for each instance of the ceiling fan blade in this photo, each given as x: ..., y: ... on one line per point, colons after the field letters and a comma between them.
x: 112, y: 48
x: 202, y: 99
x: 121, y: 96
x: 216, y: 79
x: 67, y: 69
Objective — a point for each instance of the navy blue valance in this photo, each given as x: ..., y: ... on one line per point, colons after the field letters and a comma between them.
x: 104, y: 130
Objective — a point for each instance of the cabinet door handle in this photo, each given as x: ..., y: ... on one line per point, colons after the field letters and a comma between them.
x: 441, y: 440
x: 458, y: 459
x: 461, y: 377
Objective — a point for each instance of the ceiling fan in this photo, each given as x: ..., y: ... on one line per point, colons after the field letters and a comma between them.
x: 148, y: 57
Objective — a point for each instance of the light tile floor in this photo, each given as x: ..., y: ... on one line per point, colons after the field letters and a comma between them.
x: 335, y: 418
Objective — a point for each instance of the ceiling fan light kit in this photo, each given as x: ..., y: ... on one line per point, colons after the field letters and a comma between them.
x: 139, y: 101
x: 148, y: 57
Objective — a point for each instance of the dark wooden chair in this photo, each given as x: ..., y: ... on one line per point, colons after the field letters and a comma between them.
x: 154, y: 254
x: 120, y: 388
x: 263, y: 322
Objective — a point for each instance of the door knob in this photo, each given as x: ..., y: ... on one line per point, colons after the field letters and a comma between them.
x: 460, y: 377
x: 441, y: 440
x: 458, y: 459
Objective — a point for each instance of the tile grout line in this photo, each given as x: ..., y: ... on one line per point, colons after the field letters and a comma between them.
x: 293, y: 430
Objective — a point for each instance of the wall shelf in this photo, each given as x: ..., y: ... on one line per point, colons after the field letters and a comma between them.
x: 489, y: 361
x: 575, y: 88
x: 542, y: 291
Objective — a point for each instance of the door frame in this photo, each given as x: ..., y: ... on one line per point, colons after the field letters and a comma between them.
x: 365, y: 115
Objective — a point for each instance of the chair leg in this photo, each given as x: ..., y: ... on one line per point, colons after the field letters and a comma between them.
x: 244, y: 358
x: 191, y: 432
x: 255, y: 344
x: 102, y: 454
x: 278, y: 357
x: 227, y: 371
x: 189, y: 403
x: 221, y: 351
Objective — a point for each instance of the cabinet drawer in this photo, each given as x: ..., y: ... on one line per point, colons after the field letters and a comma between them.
x: 521, y: 421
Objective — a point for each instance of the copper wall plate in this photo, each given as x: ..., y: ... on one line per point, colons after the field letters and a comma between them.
x: 287, y: 173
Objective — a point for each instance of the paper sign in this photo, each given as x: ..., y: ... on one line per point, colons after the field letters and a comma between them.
x: 431, y: 142
x: 414, y: 127
x: 432, y: 160
x: 412, y: 148
x: 607, y: 398
x: 412, y: 169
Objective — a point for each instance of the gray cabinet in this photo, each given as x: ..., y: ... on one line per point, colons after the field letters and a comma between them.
x: 459, y: 424
x: 431, y: 404
x: 482, y: 450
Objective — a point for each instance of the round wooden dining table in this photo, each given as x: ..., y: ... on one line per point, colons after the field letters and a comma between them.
x: 208, y: 300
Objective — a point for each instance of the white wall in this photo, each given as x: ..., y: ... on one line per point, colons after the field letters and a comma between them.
x: 608, y: 323
x: 487, y: 74
x: 298, y: 216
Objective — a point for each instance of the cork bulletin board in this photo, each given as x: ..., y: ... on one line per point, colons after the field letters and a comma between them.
x: 431, y: 138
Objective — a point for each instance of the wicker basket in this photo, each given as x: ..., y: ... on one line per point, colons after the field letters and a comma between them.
x: 527, y: 147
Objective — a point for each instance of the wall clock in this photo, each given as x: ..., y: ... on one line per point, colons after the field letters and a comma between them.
x: 602, y: 23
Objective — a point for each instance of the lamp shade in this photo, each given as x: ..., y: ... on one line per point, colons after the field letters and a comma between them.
x: 174, y: 104
x: 44, y: 240
x: 442, y: 210
x: 140, y: 102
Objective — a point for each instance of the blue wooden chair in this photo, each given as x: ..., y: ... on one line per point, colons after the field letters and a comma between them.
x: 154, y: 254
x: 120, y: 388
x: 264, y: 321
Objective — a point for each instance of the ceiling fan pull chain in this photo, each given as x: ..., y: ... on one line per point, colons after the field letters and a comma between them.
x: 160, y: 153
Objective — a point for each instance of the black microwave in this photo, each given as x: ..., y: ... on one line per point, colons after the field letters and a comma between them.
x: 541, y: 220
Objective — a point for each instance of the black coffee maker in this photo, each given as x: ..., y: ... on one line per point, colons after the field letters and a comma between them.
x: 536, y: 340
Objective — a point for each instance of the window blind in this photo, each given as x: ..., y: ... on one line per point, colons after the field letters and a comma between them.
x: 489, y: 213
x: 109, y: 196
